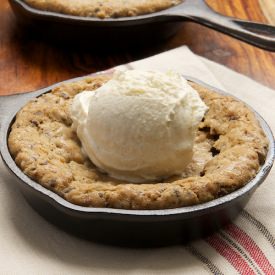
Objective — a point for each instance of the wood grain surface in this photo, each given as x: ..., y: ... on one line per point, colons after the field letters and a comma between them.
x: 27, y: 63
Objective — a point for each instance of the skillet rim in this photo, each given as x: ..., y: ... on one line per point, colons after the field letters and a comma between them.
x: 187, y: 211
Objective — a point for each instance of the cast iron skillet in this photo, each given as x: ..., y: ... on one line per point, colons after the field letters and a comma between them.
x: 126, y: 227
x: 142, y: 28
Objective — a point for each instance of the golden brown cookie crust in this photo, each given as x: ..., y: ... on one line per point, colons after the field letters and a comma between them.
x: 229, y: 148
x: 103, y: 9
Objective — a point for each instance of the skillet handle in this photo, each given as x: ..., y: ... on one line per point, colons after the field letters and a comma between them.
x: 257, y: 34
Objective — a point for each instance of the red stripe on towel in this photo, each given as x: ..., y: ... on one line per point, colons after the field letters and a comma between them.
x: 233, y: 257
x: 251, y: 247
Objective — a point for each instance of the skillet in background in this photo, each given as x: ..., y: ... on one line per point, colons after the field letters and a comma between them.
x: 119, y: 226
x: 140, y: 29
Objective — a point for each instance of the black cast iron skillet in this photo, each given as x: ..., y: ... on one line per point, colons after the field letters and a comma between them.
x: 144, y: 27
x: 126, y: 227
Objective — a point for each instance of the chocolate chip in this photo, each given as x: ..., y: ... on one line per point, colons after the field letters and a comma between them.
x: 35, y: 123
x: 214, y: 151
x: 233, y: 118
x: 52, y: 183
x: 64, y: 95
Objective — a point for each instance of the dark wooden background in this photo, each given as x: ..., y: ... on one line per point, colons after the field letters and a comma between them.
x: 27, y: 63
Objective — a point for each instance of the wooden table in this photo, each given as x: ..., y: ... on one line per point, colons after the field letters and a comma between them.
x: 28, y: 64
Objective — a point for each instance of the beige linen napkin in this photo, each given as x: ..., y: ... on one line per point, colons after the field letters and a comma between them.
x: 30, y: 245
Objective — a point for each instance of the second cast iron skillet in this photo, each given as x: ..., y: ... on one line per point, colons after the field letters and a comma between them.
x: 119, y: 226
x: 144, y: 28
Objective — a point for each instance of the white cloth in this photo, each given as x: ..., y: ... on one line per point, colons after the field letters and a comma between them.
x: 31, y: 245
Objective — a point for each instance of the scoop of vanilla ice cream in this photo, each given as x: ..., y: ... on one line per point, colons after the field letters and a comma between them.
x: 139, y: 126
